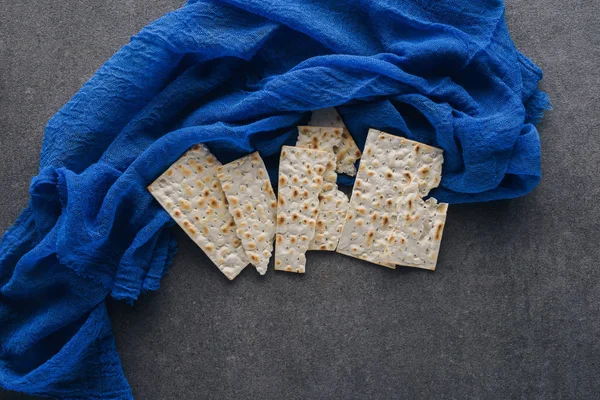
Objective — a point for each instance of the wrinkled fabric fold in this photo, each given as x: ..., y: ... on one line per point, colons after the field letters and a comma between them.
x: 240, y: 76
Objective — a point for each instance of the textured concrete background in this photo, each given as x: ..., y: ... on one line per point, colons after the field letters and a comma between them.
x: 512, y: 312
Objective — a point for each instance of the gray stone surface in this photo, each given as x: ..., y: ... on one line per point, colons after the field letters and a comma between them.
x: 512, y: 312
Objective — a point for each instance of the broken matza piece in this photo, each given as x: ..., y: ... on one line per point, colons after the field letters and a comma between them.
x: 300, y: 182
x: 191, y: 193
x: 415, y: 241
x: 388, y: 165
x: 333, y: 203
x: 347, y: 152
x: 253, y: 205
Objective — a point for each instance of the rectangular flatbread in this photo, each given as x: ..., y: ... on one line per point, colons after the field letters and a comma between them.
x: 300, y: 183
x: 389, y: 163
x: 191, y: 193
x: 253, y: 205
x: 333, y: 203
x: 415, y: 241
x: 347, y: 152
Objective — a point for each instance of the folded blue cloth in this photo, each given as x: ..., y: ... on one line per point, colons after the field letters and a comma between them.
x: 239, y: 75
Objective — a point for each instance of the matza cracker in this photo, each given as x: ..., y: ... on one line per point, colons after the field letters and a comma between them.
x: 300, y: 182
x: 415, y: 241
x: 333, y: 203
x: 347, y: 152
x: 388, y: 165
x: 191, y: 193
x: 319, y: 138
x: 253, y: 205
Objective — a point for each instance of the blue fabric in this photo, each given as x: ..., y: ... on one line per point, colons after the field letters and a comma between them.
x: 240, y: 75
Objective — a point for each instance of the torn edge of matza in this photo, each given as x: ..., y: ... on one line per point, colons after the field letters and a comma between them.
x: 415, y: 241
x: 347, y: 152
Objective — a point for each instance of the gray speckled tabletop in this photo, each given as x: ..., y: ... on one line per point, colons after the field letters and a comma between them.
x: 512, y: 312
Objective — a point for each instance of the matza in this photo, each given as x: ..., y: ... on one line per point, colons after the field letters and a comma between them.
x: 333, y: 203
x: 415, y: 241
x: 190, y: 191
x: 347, y: 152
x: 300, y: 182
x: 253, y: 205
x: 388, y: 165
